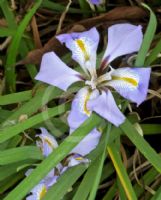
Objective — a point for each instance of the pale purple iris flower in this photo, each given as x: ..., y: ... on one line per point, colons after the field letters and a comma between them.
x: 47, y: 143
x: 39, y: 191
x: 95, y: 2
x: 131, y: 83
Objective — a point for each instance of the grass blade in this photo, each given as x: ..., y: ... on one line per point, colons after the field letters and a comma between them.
x: 142, y: 145
x: 153, y: 55
x: 15, y: 97
x: 9, y: 132
x: 99, y: 166
x: 42, y: 97
x: 8, y: 170
x: 13, y: 49
x: 121, y: 172
x: 148, y: 37
x: 9, y: 16
x: 20, y: 153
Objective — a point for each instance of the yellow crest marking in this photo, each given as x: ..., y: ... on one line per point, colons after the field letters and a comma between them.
x: 43, y: 192
x: 81, y: 45
x: 127, y: 79
x: 85, y: 104
x: 79, y: 158
x: 49, y: 143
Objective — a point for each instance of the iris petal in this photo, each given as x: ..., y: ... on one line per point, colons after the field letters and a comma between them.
x: 77, y: 116
x: 122, y: 39
x: 88, y: 143
x: 48, y: 143
x: 76, y: 159
x: 38, y: 192
x: 55, y: 72
x: 79, y: 111
x: 105, y: 106
x: 83, y: 46
x: 131, y: 83
x: 96, y: 2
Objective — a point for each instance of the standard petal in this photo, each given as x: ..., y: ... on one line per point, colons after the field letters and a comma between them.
x: 55, y: 72
x: 105, y: 106
x: 131, y: 83
x: 83, y: 46
x: 88, y: 143
x: 122, y: 39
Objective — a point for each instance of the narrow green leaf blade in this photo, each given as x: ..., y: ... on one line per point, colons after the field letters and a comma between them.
x: 19, y: 154
x: 142, y: 145
x: 9, y: 132
x: 148, y: 37
x: 153, y: 55
x: 13, y: 49
x: 121, y: 172
x: 99, y: 166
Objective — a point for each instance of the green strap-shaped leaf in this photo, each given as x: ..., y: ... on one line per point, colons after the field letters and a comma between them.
x: 148, y: 37
x: 121, y: 172
x: 111, y: 192
x: 153, y: 55
x: 151, y: 129
x: 157, y: 195
x: 20, y: 153
x: 99, y: 166
x: 13, y: 49
x: 8, y: 170
x: 60, y: 8
x: 15, y: 97
x: 9, y: 16
x: 9, y: 132
x: 142, y: 145
x: 42, y: 97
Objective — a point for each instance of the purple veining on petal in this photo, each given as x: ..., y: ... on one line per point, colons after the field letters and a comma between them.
x: 139, y: 93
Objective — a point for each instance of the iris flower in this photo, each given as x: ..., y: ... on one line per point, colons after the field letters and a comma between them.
x: 96, y: 2
x: 47, y: 144
x: 39, y: 191
x: 131, y: 83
